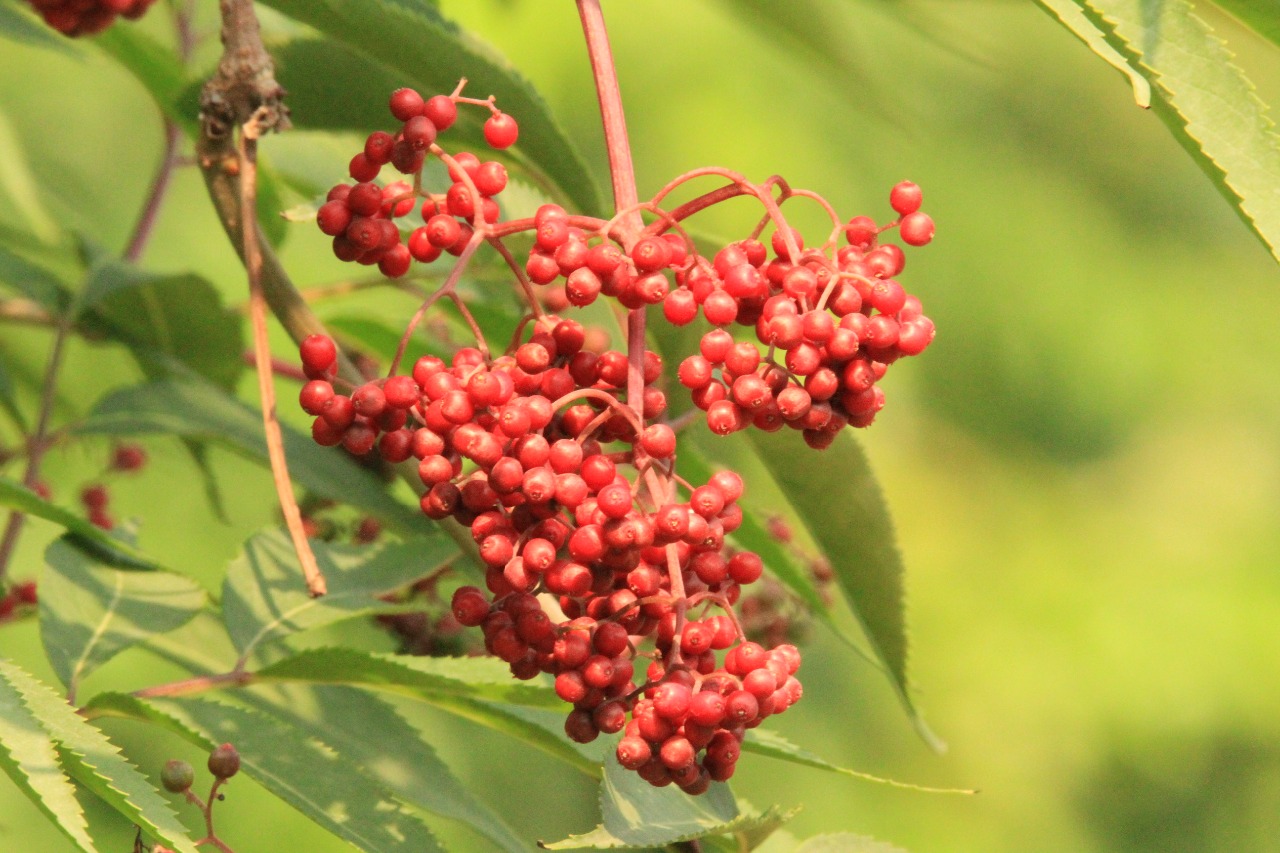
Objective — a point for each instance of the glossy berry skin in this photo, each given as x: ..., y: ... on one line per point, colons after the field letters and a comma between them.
x: 905, y: 198
x: 501, y: 131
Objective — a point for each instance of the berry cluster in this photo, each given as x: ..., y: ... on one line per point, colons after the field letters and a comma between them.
x: 839, y: 324
x: 86, y: 17
x: 19, y: 597
x: 361, y: 217
x: 96, y: 498
x: 519, y: 449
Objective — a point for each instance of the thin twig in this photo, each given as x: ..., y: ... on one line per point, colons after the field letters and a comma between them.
x: 266, y: 385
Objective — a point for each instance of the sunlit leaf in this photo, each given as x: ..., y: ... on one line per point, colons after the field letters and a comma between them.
x: 1262, y: 16
x: 97, y: 541
x: 481, y: 678
x: 265, y: 600
x: 1206, y: 101
x: 29, y: 757
x: 90, y: 612
x: 1068, y: 13
x: 95, y: 762
x: 294, y: 766
x: 744, y: 832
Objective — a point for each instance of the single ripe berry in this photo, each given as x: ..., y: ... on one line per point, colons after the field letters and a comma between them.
x: 501, y: 131
x: 224, y: 761
x: 442, y: 111
x: 916, y: 229
x: 319, y: 354
x: 905, y: 198
x: 128, y: 457
x: 405, y: 104
x: 177, y: 775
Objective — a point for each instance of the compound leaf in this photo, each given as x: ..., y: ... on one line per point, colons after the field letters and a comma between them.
x: 90, y: 612
x: 94, y: 762
x: 264, y: 599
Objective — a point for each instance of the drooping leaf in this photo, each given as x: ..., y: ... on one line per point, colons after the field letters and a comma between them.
x: 480, y: 678
x: 264, y: 599
x: 90, y: 612
x: 846, y: 842
x: 744, y: 832
x: 416, y: 44
x: 29, y: 758
x: 766, y: 742
x: 837, y: 497
x: 199, y: 410
x: 297, y: 768
x: 94, y: 762
x: 164, y: 319
x: 97, y: 541
x: 1069, y: 15
x: 399, y: 758
x: 1204, y: 99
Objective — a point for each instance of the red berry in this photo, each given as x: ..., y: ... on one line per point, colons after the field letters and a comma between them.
x: 501, y: 131
x: 916, y: 229
x: 319, y: 355
x: 442, y: 111
x: 905, y: 198
x: 405, y: 104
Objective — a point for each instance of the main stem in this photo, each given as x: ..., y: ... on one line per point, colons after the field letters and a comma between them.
x: 622, y: 173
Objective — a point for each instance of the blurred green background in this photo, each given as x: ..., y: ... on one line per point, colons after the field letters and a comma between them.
x: 1084, y: 468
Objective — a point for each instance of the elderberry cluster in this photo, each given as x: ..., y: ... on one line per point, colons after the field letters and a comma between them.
x: 86, y: 17
x: 588, y: 553
x: 361, y: 217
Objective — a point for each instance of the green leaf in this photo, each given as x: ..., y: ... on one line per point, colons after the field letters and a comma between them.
x: 837, y: 497
x: 297, y: 768
x: 95, y: 762
x: 89, y: 612
x: 481, y: 678
x: 155, y: 66
x: 30, y: 759
x: 416, y: 44
x: 398, y: 759
x: 264, y: 599
x: 33, y: 280
x: 774, y: 745
x: 166, y: 319
x: 95, y: 540
x: 193, y: 409
x: 747, y: 832
x: 19, y: 183
x: 1069, y: 15
x: 1206, y: 101
x: 846, y: 842
x: 540, y: 728
x: 1262, y: 16
x: 638, y: 813
x: 18, y: 24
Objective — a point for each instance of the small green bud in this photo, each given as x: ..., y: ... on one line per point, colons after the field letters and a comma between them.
x: 177, y: 775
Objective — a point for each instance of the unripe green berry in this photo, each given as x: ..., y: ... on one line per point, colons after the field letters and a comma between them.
x: 224, y: 761
x: 177, y: 775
